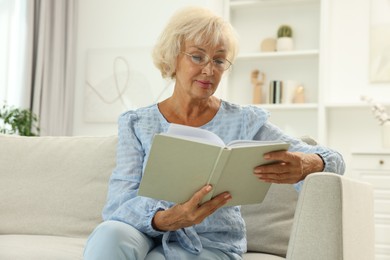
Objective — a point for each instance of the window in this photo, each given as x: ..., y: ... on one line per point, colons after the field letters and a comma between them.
x: 13, y: 52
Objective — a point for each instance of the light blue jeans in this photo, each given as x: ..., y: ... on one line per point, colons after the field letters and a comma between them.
x: 120, y: 241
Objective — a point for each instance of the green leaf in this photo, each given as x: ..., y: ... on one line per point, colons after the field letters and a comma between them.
x: 18, y: 121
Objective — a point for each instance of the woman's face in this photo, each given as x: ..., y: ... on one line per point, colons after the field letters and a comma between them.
x: 199, y: 81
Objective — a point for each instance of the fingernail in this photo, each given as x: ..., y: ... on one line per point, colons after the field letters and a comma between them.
x: 227, y: 196
x: 209, y: 188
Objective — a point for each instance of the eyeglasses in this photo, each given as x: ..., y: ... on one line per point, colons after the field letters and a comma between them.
x: 202, y: 59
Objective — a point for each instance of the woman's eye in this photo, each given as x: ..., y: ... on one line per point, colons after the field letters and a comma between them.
x: 219, y: 61
x: 197, y: 58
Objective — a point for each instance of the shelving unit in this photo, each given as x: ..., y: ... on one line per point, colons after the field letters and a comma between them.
x: 258, y: 20
x: 341, y: 122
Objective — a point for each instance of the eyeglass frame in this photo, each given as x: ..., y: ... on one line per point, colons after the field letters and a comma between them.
x: 208, y: 60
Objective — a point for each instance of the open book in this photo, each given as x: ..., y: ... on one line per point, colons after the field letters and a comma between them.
x: 185, y: 159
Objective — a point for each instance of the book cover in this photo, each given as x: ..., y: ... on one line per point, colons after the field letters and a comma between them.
x: 185, y: 159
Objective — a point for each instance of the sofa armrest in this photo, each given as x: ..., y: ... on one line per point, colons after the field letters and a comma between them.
x: 334, y: 219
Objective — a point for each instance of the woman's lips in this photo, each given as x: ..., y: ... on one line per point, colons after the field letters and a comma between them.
x: 204, y: 83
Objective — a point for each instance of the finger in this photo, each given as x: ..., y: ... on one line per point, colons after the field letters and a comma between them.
x: 283, y: 156
x: 273, y: 177
x: 278, y: 167
x: 278, y: 155
x: 215, y: 203
x: 221, y: 199
x: 279, y: 177
x: 196, y: 199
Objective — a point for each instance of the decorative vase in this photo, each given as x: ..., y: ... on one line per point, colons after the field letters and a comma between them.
x: 386, y: 134
x: 284, y: 44
x: 299, y: 95
x: 268, y: 45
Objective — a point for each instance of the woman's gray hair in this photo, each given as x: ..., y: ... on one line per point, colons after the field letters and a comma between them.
x: 196, y: 24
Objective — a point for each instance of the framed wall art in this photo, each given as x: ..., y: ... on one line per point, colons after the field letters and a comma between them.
x: 380, y: 41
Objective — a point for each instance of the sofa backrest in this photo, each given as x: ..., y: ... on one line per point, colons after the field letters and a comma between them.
x: 54, y: 185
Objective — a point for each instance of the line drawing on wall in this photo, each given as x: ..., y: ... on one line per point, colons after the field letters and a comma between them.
x: 118, y: 80
x: 380, y: 41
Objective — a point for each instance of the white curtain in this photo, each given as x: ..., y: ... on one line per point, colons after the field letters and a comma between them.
x: 51, y: 61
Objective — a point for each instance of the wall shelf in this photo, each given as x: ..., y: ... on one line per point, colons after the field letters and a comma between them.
x: 284, y: 54
x: 306, y: 106
x: 352, y: 105
x: 234, y: 4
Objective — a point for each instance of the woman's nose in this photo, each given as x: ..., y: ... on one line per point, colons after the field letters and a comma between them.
x: 208, y: 68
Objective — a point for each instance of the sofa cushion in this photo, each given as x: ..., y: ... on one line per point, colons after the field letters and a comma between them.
x: 260, y: 256
x: 269, y: 224
x: 54, y: 185
x: 40, y: 247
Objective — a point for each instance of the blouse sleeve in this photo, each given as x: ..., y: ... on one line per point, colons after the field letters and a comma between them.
x: 333, y: 161
x: 123, y: 204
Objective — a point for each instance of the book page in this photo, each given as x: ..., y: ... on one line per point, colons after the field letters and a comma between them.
x: 245, y: 143
x: 195, y: 133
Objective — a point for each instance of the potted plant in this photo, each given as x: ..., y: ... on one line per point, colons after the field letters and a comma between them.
x: 18, y: 121
x: 285, y: 40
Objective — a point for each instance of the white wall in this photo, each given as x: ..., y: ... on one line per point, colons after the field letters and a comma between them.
x: 110, y: 24
x: 351, y: 128
x: 348, y: 46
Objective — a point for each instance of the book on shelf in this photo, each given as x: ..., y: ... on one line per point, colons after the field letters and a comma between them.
x: 185, y: 159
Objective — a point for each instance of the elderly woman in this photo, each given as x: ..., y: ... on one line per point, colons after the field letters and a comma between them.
x: 196, y: 48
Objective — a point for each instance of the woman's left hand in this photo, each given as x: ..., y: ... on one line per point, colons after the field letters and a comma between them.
x: 291, y: 167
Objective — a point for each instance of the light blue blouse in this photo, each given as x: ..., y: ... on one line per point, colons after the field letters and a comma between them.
x: 225, y: 229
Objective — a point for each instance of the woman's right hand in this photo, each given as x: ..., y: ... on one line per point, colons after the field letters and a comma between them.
x: 189, y: 213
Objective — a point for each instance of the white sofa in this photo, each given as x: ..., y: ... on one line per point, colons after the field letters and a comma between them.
x: 52, y: 190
